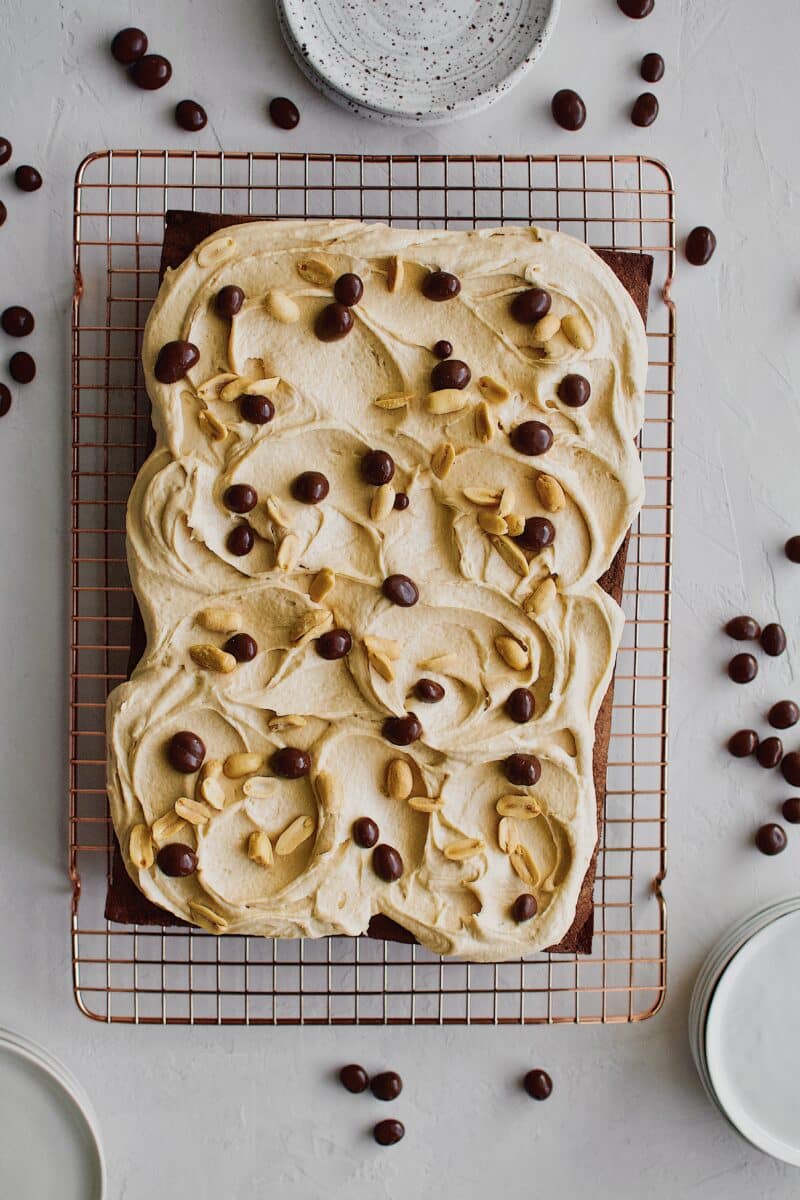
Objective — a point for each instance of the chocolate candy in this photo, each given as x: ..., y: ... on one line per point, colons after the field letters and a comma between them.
x: 333, y: 323
x: 523, y: 770
x: 791, y: 810
x: 27, y: 178
x: 22, y: 367
x: 186, y: 752
x: 769, y: 752
x: 636, y: 9
x: 354, y: 1078
x: 443, y: 349
x: 177, y: 860
x: 773, y: 639
x: 310, y: 487
x: 784, y: 714
x: 151, y: 72
x: 174, y: 360
x: 389, y: 1132
x: 348, y: 289
x: 365, y: 834
x: 5, y: 151
x: 645, y: 110
x: 771, y: 839
x: 386, y: 1086
x: 651, y: 67
x: 336, y: 643
x: 400, y: 590
x: 377, y: 467
x: 428, y: 691
x: 742, y: 668
x: 538, y: 533
x: 258, y: 410
x: 568, y: 110
x: 531, y: 438
x: 241, y: 539
x: 402, y: 731
x: 3, y: 213
x: 387, y: 863
x: 129, y: 45
x: 190, y: 115
x: 530, y: 306
x: 240, y: 498
x: 17, y: 321
x: 792, y: 549
x: 538, y: 1084
x: 5, y: 399
x: 291, y: 763
x: 401, y: 501
x: 700, y: 246
x: 228, y: 301
x: 524, y: 908
x: 790, y: 768
x: 284, y: 113
x: 440, y: 285
x: 452, y: 373
x: 574, y: 391
x: 742, y: 629
x: 743, y: 743
x: 242, y: 646
x: 520, y: 705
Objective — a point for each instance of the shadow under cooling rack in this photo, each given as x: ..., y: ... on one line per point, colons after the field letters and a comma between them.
x: 141, y: 974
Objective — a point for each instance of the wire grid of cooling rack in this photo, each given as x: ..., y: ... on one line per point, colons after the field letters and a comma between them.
x: 146, y: 974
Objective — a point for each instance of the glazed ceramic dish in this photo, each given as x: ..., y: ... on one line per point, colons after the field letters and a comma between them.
x: 434, y: 60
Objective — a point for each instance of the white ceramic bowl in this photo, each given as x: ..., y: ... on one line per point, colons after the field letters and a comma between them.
x: 418, y: 61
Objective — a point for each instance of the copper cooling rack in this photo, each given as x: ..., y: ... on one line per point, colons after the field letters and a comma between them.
x: 146, y: 974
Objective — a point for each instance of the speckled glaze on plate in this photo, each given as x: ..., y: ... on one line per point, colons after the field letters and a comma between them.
x: 418, y: 61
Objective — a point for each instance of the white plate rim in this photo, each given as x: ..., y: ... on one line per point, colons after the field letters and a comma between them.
x: 747, y: 1127
x: 37, y: 1056
x: 353, y: 103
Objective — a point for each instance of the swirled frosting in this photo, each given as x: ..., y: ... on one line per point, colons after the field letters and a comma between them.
x: 470, y: 841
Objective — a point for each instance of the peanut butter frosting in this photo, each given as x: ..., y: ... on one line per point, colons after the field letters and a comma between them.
x: 371, y: 679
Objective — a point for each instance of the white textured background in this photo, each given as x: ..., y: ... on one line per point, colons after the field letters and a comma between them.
x: 245, y: 1113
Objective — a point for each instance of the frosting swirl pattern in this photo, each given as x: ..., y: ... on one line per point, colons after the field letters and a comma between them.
x: 504, y: 547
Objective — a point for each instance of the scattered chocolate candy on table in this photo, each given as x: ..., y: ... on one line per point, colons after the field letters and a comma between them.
x: 742, y: 668
x: 5, y: 399
x: 771, y: 839
x: 538, y: 1084
x: 743, y: 743
x: 191, y: 116
x: 27, y: 178
x: 354, y: 1078
x: 3, y: 213
x: 651, y: 68
x: 284, y: 113
x: 386, y: 1086
x: 636, y: 9
x: 792, y: 549
x: 568, y: 109
x: 783, y: 714
x: 743, y: 629
x: 645, y: 110
x: 22, y: 367
x: 791, y: 810
x: 790, y: 768
x: 5, y: 151
x: 700, y: 246
x: 17, y: 321
x: 769, y: 752
x: 389, y: 1132
x: 773, y: 639
x: 151, y: 71
x: 129, y: 45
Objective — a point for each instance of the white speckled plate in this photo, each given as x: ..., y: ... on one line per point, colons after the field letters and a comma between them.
x: 416, y: 60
